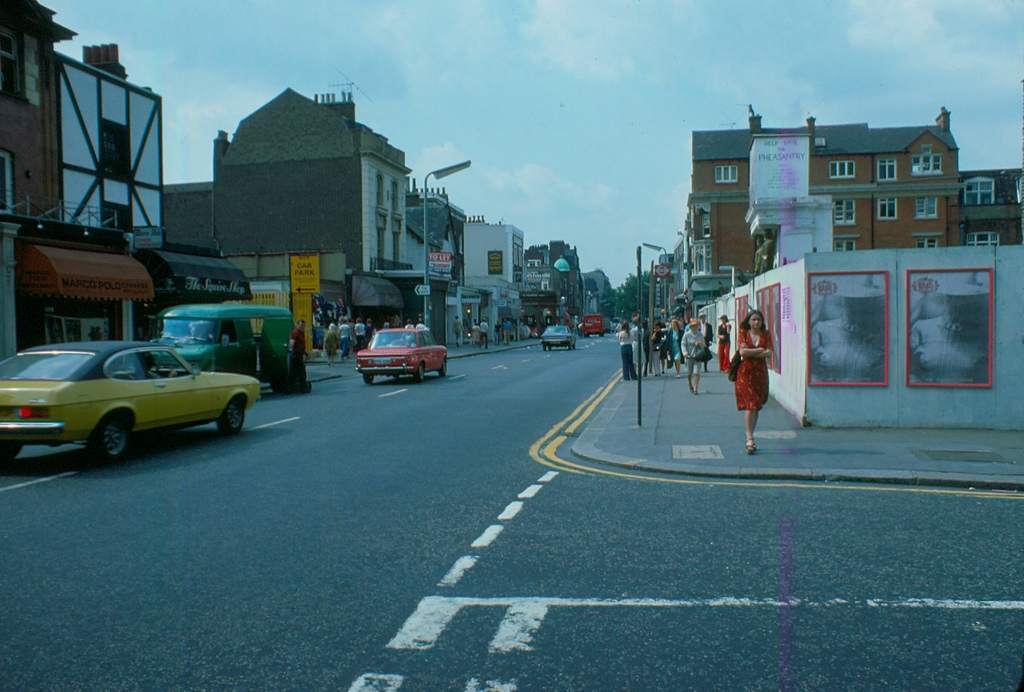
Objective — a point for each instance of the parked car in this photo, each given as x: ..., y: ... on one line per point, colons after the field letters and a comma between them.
x: 398, y: 352
x: 558, y: 335
x: 100, y: 392
x: 245, y: 339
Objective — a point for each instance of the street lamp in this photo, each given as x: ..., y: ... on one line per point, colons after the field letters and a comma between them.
x: 438, y: 174
x: 732, y: 268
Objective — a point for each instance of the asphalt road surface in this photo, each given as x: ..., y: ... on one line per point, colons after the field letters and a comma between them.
x: 401, y: 535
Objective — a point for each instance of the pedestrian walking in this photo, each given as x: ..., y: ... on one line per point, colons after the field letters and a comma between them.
x: 369, y: 331
x: 755, y: 349
x: 634, y: 334
x: 675, y: 345
x: 724, y: 343
x: 657, y: 342
x: 693, y: 342
x: 485, y: 334
x: 626, y: 349
x: 647, y: 353
x: 457, y: 327
x: 709, y: 337
x: 360, y: 334
x: 331, y: 343
x: 506, y: 331
x: 344, y: 337
x: 297, y: 358
x: 474, y: 334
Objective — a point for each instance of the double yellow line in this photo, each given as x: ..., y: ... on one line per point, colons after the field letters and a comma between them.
x: 545, y: 452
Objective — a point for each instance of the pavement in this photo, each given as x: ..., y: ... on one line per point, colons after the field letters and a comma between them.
x: 703, y: 435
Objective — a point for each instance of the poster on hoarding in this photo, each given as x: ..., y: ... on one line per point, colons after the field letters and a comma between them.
x: 770, y: 303
x: 950, y: 323
x: 848, y: 329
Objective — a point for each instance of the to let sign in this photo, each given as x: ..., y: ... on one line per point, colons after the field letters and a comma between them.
x: 440, y: 263
x: 305, y: 273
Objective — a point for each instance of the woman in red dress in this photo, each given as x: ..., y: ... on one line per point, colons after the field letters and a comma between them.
x: 755, y: 348
x: 724, y: 339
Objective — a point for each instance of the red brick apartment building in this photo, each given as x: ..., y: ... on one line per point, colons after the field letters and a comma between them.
x: 892, y: 187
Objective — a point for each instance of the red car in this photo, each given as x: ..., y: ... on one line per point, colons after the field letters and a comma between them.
x: 398, y: 352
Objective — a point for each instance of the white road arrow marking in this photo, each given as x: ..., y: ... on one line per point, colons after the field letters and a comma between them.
x: 376, y: 682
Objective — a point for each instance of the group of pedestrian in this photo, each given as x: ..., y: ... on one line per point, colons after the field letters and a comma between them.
x: 673, y: 346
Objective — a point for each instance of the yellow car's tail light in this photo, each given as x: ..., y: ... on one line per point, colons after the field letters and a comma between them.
x: 33, y: 412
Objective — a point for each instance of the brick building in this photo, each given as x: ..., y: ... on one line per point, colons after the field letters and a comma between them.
x: 990, y: 207
x: 892, y: 187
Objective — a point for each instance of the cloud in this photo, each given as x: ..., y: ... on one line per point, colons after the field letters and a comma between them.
x: 536, y: 187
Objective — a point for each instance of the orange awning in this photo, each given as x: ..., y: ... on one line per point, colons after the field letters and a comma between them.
x: 45, y: 270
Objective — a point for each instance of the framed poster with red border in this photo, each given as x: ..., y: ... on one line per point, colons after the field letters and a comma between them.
x: 769, y: 300
x: 848, y: 329
x: 742, y: 308
x: 950, y: 327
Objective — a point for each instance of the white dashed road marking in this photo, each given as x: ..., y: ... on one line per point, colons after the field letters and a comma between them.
x: 277, y: 422
x: 456, y: 377
x: 473, y: 685
x: 458, y: 570
x: 397, y: 391
x: 500, y: 367
x: 550, y: 475
x: 775, y: 434
x: 511, y: 511
x: 517, y: 628
x: 488, y: 536
x: 530, y: 492
x: 38, y: 480
x: 376, y: 682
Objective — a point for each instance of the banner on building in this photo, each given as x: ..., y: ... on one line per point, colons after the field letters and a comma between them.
x: 779, y: 166
x: 305, y: 273
x: 495, y: 265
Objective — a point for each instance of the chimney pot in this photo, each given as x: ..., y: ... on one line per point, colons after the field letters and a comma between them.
x: 943, y: 120
x: 754, y: 121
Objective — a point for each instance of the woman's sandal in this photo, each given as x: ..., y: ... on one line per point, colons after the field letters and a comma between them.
x: 751, y: 447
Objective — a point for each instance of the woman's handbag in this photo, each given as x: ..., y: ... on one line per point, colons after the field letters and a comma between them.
x: 703, y: 355
x: 734, y: 366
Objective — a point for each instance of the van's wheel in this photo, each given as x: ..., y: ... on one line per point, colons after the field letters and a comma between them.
x: 418, y: 375
x: 232, y: 418
x: 444, y: 368
x: 368, y: 379
x: 9, y: 450
x: 111, y: 440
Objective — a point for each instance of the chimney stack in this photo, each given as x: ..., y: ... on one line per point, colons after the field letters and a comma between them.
x: 754, y: 120
x: 943, y: 120
x: 104, y: 57
x: 220, y: 147
x: 810, y: 128
x: 346, y: 106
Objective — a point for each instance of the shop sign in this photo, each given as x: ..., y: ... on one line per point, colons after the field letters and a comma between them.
x: 234, y: 289
x: 440, y: 264
x: 495, y: 265
x: 148, y: 237
x: 305, y: 273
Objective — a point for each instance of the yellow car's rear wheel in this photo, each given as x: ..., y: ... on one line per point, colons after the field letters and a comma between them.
x: 232, y: 418
x: 111, y: 440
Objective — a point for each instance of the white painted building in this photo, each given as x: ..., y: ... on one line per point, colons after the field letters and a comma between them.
x: 493, y: 254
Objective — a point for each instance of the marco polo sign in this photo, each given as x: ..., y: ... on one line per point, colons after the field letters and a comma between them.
x: 779, y: 166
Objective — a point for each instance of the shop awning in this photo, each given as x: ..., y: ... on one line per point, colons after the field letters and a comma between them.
x: 56, y: 271
x: 195, y: 277
x: 374, y: 292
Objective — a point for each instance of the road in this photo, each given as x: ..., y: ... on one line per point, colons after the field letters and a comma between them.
x: 366, y: 537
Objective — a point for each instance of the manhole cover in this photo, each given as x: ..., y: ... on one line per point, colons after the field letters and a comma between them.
x: 697, y: 452
x: 960, y: 455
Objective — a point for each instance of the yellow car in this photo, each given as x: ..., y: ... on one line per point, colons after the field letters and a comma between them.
x: 100, y: 392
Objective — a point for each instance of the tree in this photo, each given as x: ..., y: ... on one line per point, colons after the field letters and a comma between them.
x: 624, y: 297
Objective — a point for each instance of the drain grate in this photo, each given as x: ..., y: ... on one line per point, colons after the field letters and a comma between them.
x: 978, y: 455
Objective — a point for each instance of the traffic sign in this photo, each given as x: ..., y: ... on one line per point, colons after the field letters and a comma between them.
x: 663, y: 271
x: 423, y: 289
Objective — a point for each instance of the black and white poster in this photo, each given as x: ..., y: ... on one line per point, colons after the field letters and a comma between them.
x: 848, y: 329
x: 949, y: 328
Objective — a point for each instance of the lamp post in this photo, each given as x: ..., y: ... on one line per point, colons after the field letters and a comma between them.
x: 438, y: 174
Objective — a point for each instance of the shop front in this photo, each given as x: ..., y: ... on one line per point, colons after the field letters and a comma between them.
x: 377, y: 299
x: 180, y: 279
x: 66, y: 294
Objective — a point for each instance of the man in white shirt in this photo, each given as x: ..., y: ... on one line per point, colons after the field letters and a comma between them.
x: 484, y: 334
x: 634, y: 336
x: 345, y: 332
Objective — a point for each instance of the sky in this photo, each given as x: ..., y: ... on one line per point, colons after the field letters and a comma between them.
x: 576, y: 114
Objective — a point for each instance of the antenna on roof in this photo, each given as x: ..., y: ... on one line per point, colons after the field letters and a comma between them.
x: 350, y: 83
